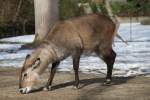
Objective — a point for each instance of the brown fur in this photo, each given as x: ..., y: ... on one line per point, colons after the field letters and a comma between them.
x: 90, y: 33
x: 86, y: 32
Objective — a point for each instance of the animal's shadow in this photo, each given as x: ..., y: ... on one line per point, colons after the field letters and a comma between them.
x: 86, y: 82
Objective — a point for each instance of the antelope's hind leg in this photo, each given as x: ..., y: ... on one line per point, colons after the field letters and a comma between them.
x: 109, y: 58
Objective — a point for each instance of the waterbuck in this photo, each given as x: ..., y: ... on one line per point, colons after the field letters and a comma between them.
x: 72, y: 37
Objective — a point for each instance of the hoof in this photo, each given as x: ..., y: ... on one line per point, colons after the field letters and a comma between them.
x: 47, y: 88
x: 77, y: 86
x: 107, y: 82
x: 74, y: 87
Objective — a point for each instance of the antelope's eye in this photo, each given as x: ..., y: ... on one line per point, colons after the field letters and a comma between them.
x: 25, y: 75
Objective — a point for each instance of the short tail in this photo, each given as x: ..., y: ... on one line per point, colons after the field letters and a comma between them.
x: 114, y: 19
x: 120, y: 37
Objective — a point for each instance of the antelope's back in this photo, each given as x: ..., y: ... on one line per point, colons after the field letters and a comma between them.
x: 84, y: 32
x: 95, y: 29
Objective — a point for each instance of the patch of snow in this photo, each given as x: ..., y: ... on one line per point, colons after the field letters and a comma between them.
x: 19, y: 39
x: 132, y: 59
x: 139, y: 32
x: 144, y: 70
x: 12, y: 56
x: 9, y: 47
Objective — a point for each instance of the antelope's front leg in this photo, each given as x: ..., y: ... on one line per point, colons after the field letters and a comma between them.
x: 52, y: 73
x: 76, y: 60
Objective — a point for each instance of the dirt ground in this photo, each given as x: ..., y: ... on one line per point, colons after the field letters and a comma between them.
x: 133, y: 88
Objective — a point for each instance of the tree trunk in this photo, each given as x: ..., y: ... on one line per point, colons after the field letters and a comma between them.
x: 46, y: 14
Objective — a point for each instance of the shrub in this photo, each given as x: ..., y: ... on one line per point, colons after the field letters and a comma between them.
x: 69, y: 8
x: 131, y: 8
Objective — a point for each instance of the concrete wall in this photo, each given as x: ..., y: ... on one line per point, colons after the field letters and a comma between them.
x: 100, y: 1
x: 118, y: 0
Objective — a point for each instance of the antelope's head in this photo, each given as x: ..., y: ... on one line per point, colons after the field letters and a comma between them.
x: 29, y: 74
x: 34, y: 65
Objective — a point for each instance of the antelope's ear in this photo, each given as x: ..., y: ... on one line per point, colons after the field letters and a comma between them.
x: 26, y: 58
x: 28, y: 55
x: 25, y: 61
x: 37, y: 62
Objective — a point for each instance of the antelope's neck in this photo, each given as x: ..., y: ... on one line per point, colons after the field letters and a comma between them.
x: 58, y: 52
x: 46, y: 56
x: 49, y: 54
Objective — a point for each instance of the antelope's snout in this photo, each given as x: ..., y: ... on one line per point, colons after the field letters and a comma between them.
x: 25, y: 90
